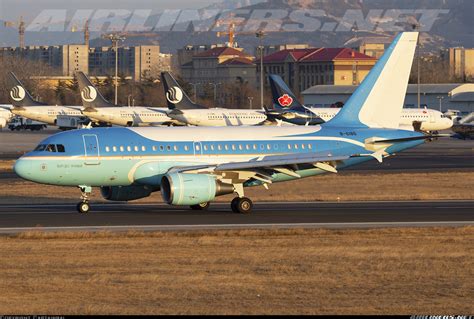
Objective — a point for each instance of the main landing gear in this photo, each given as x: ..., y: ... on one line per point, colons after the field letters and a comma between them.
x: 241, y: 205
x: 83, y: 207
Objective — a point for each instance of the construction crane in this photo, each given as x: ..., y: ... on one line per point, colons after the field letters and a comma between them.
x: 231, y: 30
x: 21, y: 30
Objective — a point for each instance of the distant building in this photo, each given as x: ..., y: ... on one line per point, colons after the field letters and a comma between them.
x: 64, y: 59
x: 185, y: 55
x: 303, y: 68
x: 222, y: 65
x: 372, y: 46
x: 134, y: 62
x: 435, y: 96
x: 269, y: 49
x: 461, y: 63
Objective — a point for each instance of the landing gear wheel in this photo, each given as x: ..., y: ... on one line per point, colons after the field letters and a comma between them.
x: 202, y: 206
x: 83, y: 207
x: 241, y: 205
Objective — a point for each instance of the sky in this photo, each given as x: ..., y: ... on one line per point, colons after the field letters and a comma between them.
x: 13, y: 9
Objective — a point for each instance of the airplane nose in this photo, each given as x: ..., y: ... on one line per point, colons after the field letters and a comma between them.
x: 22, y: 168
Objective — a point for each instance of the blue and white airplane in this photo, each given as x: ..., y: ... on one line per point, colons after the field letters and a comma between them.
x: 193, y: 165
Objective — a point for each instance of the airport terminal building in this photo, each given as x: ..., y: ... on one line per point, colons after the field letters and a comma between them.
x: 434, y: 96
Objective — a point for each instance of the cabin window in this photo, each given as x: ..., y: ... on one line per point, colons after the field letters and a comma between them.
x: 247, y: 147
x: 310, y: 146
x: 175, y: 148
x: 233, y: 147
x: 154, y: 148
x: 212, y: 147
x: 129, y: 148
x: 162, y: 148
x: 219, y: 147
x: 135, y: 148
x: 107, y: 149
x: 197, y: 147
x: 240, y: 147
x: 61, y: 148
x: 226, y: 147
x: 289, y: 146
x: 302, y: 146
x: 114, y: 148
x: 255, y: 147
x: 186, y: 148
x: 296, y: 146
x: 121, y: 148
x: 205, y: 147
x: 269, y: 147
x: 168, y: 148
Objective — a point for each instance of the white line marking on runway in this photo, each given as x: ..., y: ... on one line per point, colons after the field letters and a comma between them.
x: 233, y: 226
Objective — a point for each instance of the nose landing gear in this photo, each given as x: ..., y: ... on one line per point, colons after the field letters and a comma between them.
x: 83, y: 207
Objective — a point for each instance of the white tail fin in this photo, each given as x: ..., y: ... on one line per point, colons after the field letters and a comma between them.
x: 378, y: 101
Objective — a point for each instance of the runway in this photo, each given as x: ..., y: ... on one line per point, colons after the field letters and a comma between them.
x: 159, y: 217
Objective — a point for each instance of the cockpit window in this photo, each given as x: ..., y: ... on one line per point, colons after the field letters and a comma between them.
x: 40, y: 148
x: 51, y: 148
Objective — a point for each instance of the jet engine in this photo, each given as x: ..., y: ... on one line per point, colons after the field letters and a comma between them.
x: 192, y: 189
x: 125, y: 193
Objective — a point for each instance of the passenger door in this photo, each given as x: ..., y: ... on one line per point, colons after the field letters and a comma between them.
x: 91, y: 149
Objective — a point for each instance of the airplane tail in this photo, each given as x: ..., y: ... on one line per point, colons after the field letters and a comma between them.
x: 90, y: 96
x: 175, y: 95
x: 378, y: 101
x: 19, y: 95
x: 282, y: 96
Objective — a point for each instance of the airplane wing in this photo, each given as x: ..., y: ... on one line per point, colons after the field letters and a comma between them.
x: 261, y: 168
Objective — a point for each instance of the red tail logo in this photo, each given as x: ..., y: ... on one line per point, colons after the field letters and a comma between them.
x: 285, y: 100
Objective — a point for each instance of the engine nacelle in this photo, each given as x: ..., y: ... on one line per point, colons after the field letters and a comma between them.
x: 3, y: 122
x: 192, y: 189
x: 125, y: 193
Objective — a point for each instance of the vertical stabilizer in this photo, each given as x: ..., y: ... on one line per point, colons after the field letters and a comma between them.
x: 282, y: 95
x: 19, y: 95
x: 175, y: 95
x: 378, y: 101
x: 90, y: 96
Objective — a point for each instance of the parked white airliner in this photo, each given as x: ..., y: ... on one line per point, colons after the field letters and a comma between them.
x: 24, y: 105
x: 182, y: 109
x: 98, y: 109
x: 427, y: 120
x: 5, y: 115
x: 288, y: 108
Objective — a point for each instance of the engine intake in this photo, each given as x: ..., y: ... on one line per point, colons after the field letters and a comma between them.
x: 192, y: 189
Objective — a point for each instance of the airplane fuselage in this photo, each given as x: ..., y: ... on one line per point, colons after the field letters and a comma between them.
x: 141, y: 156
x: 421, y: 119
x: 219, y: 117
x: 47, y: 114
x: 129, y: 116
